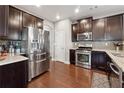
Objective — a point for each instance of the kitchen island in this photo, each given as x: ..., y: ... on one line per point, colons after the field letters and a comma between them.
x: 14, y: 72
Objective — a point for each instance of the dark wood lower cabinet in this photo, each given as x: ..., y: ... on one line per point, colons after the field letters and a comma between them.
x: 123, y: 79
x: 14, y: 75
x: 99, y: 60
x: 72, y: 56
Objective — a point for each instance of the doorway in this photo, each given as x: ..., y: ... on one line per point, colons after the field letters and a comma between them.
x: 59, y: 46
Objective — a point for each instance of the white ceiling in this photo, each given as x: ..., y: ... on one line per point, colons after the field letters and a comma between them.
x: 68, y: 11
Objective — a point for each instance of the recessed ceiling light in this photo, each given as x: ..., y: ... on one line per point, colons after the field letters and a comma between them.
x: 77, y: 10
x: 37, y: 5
x: 57, y: 17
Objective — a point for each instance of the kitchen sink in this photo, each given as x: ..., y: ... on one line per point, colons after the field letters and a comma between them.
x: 118, y: 54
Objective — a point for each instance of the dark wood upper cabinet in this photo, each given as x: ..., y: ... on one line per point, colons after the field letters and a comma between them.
x: 98, y: 29
x: 39, y: 23
x: 114, y: 29
x: 32, y: 21
x: 85, y: 25
x: 13, y: 20
x: 75, y: 29
x: 28, y: 20
x: 15, y: 24
x: 3, y: 20
x: 109, y: 28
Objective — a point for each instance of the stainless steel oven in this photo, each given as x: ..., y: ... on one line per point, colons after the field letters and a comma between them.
x: 83, y: 58
x: 115, y: 76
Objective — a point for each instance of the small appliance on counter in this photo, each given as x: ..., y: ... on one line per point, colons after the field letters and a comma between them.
x: 118, y: 46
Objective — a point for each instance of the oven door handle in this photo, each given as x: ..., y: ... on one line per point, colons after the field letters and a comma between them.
x: 83, y: 53
x: 111, y: 64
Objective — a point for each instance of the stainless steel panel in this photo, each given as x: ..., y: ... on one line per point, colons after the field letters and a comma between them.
x: 86, y: 63
x: 31, y: 67
x: 38, y: 68
x: 47, y: 43
x: 31, y: 57
x: 40, y: 56
x: 36, y: 46
x: 84, y: 36
x: 41, y: 67
x: 115, y: 76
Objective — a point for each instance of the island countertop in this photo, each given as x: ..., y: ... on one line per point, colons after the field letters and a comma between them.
x: 12, y: 58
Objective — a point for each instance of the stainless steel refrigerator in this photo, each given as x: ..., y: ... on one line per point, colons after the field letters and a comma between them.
x: 36, y: 46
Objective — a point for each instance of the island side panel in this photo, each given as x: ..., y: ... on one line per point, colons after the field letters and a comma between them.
x: 14, y: 75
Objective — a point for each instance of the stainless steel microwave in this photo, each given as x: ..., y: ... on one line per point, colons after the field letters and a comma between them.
x: 84, y: 36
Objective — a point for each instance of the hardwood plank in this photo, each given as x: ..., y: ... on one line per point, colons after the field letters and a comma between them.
x: 62, y: 75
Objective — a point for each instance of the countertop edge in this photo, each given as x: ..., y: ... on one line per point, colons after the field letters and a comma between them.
x: 13, y: 59
x: 109, y: 53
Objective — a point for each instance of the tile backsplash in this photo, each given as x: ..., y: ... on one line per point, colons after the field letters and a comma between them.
x: 3, y: 42
x: 7, y: 43
x: 99, y: 44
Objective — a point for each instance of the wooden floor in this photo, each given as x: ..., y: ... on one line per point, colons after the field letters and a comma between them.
x: 63, y: 76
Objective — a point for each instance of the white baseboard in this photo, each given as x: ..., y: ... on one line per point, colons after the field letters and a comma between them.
x: 66, y: 62
x: 53, y: 59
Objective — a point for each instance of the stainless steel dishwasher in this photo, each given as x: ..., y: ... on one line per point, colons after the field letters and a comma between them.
x: 115, y: 76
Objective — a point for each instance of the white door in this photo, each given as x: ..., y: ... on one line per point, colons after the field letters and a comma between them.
x: 60, y: 46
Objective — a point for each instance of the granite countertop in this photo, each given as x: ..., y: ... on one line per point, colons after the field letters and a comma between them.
x: 119, y: 61
x: 12, y: 58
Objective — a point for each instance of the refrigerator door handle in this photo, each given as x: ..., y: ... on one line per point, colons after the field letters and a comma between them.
x: 38, y: 61
x: 43, y: 40
x: 41, y: 54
